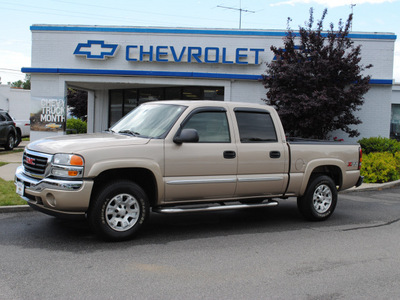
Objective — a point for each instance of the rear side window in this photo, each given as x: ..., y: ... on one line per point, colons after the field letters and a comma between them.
x: 255, y: 127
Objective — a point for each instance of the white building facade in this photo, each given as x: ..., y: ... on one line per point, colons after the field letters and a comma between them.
x: 122, y: 67
x: 15, y: 101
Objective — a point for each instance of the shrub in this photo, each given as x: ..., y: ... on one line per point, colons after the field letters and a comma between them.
x: 380, y: 167
x: 397, y: 158
x: 76, y: 126
x: 379, y: 144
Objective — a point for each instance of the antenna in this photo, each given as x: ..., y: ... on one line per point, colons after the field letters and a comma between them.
x: 351, y: 6
x: 240, y: 9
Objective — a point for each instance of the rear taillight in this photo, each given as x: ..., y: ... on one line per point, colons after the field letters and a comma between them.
x: 359, y: 158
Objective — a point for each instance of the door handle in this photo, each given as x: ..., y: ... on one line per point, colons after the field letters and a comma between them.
x: 275, y: 154
x: 229, y: 154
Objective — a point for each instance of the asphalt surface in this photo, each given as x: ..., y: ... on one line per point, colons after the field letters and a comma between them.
x: 269, y: 253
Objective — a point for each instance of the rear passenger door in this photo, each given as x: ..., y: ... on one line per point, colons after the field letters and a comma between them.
x: 262, y: 158
x: 3, y: 128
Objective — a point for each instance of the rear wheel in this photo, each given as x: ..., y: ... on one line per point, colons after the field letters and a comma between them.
x: 10, y: 142
x: 119, y: 210
x: 319, y: 201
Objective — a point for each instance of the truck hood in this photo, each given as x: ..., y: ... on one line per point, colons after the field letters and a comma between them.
x: 80, y: 142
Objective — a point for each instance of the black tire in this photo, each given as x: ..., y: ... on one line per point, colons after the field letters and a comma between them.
x: 10, y: 142
x: 119, y: 210
x: 18, y: 139
x: 319, y: 201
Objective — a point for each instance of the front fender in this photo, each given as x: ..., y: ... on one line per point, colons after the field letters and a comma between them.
x: 105, y: 165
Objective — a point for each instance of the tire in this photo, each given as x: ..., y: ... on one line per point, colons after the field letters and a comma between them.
x: 119, y: 211
x: 18, y: 139
x: 319, y: 201
x: 10, y: 142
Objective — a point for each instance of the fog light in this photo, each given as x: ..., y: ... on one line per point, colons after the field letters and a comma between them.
x: 51, y: 200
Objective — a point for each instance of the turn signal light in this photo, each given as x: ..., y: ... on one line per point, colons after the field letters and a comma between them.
x: 76, y: 160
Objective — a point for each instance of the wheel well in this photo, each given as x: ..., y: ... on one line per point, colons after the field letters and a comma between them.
x: 333, y: 172
x: 143, y: 177
x: 18, y: 130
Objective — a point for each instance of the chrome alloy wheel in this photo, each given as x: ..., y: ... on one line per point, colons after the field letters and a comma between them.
x: 322, y: 198
x: 122, y: 212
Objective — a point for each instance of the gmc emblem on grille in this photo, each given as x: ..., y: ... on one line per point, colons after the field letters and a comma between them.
x: 30, y: 161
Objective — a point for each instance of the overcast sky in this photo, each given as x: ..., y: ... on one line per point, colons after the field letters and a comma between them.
x: 17, y: 17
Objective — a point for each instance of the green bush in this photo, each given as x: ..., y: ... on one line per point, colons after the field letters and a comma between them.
x: 379, y: 167
x: 397, y: 158
x: 379, y: 144
x: 76, y: 126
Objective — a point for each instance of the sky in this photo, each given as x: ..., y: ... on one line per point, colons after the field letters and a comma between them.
x: 17, y: 16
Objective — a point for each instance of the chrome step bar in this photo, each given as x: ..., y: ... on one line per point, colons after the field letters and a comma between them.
x: 193, y: 208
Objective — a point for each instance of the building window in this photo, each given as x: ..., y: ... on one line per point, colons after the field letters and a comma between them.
x: 123, y: 101
x: 395, y: 122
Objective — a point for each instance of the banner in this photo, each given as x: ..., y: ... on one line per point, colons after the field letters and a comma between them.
x: 48, y: 114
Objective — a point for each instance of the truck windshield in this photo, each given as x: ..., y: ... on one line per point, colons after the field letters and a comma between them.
x: 149, y: 120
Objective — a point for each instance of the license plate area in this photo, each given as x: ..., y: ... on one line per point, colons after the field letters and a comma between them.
x: 20, y: 188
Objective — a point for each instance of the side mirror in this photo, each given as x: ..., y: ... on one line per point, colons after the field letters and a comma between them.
x: 187, y: 135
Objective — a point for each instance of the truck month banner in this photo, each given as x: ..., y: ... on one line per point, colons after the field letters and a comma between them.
x: 48, y: 114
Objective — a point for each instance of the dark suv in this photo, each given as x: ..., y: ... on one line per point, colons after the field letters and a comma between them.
x: 8, y: 132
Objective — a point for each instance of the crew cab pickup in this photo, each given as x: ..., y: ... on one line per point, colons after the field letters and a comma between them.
x: 183, y: 156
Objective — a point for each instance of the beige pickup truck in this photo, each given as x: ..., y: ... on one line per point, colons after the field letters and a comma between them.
x: 183, y: 156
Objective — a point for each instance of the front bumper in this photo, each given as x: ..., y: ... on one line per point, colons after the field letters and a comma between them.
x: 54, y: 197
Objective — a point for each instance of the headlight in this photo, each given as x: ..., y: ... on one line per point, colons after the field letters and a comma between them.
x: 67, y: 165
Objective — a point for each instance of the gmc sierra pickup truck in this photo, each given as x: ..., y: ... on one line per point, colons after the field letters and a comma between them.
x: 183, y: 156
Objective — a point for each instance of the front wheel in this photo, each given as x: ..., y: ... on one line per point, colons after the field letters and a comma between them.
x: 319, y: 201
x: 119, y: 210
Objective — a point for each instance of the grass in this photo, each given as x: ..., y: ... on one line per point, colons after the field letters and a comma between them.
x: 11, y: 151
x: 8, y: 196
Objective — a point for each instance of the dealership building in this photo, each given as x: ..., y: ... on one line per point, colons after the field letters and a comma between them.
x: 122, y: 67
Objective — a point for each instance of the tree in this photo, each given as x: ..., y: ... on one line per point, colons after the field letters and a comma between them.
x: 315, y: 81
x: 77, y: 103
x: 26, y: 84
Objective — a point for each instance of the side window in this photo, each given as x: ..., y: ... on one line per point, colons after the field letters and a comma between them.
x: 212, y: 127
x: 255, y: 127
x: 2, y: 118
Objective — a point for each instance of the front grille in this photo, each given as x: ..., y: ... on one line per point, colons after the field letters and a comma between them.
x: 35, y: 163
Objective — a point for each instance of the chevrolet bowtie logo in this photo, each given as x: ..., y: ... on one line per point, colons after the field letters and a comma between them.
x: 96, y: 49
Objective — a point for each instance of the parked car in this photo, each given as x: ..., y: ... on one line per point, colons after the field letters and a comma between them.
x: 23, y: 128
x: 8, y: 132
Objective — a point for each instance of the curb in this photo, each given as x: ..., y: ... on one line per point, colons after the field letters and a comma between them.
x: 370, y: 187
x: 15, y: 208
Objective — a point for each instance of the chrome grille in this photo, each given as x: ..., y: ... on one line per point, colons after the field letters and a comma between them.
x: 35, y: 163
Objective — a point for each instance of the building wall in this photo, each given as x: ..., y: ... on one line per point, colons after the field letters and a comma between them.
x: 15, y: 101
x: 69, y: 56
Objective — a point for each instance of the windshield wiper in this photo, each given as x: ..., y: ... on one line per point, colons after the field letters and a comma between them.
x: 134, y: 133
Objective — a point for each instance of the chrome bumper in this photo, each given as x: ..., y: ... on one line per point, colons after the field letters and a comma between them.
x: 36, y: 185
x: 52, y: 196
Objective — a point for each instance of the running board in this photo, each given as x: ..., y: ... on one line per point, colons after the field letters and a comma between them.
x: 191, y: 208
